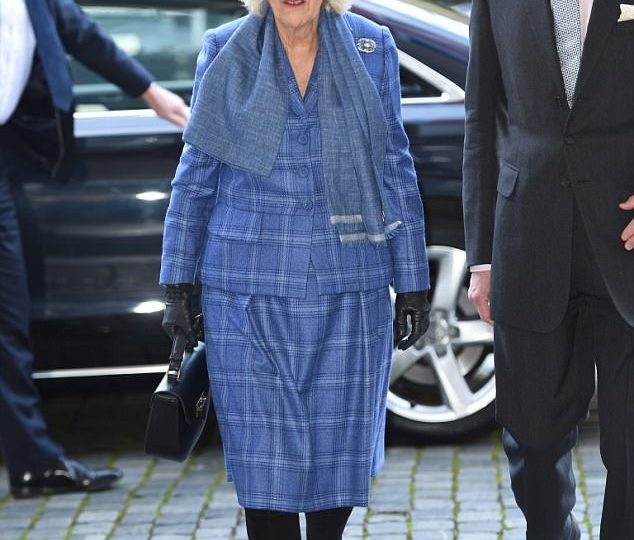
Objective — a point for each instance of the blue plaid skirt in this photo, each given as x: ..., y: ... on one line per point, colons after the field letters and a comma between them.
x: 299, y: 388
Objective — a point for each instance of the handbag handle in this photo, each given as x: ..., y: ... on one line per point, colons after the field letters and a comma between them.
x: 180, y: 344
x: 176, y: 356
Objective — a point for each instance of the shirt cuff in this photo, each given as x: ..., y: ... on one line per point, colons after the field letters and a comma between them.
x: 480, y: 268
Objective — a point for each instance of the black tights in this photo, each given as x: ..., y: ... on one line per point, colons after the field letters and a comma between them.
x: 273, y: 525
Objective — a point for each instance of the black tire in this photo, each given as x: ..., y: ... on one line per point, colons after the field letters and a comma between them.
x: 471, y: 426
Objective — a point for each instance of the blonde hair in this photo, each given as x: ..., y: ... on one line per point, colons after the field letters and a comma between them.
x: 258, y: 7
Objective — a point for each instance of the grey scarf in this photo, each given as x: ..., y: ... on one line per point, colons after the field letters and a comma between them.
x: 241, y: 110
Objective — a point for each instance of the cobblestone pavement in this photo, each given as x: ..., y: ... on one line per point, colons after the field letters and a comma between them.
x: 440, y: 492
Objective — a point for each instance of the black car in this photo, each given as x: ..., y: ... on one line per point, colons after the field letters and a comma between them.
x: 93, y: 245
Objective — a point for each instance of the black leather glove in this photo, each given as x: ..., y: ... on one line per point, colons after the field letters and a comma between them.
x: 415, y: 306
x: 178, y: 317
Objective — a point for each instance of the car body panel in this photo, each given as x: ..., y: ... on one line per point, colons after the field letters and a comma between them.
x: 436, y: 36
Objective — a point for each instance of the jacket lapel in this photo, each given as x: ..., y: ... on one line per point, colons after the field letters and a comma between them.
x: 602, y: 20
x: 540, y: 15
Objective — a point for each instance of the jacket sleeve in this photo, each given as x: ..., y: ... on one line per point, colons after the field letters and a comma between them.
x: 407, y: 247
x: 194, y: 191
x: 484, y: 101
x: 87, y: 42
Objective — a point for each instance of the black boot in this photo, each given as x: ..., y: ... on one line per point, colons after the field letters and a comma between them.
x: 272, y: 525
x: 327, y: 524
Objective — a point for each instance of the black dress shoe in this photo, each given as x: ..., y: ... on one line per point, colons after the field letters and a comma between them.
x: 65, y: 476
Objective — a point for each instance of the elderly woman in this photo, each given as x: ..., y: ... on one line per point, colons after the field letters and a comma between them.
x: 295, y: 203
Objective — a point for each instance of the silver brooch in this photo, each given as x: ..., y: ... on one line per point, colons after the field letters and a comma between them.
x: 366, y: 45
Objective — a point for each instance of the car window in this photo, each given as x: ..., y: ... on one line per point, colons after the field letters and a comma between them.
x: 422, y: 84
x: 164, y: 39
x: 167, y: 40
x: 414, y: 86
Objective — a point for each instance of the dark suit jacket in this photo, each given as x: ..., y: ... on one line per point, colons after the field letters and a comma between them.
x: 41, y: 135
x: 528, y: 157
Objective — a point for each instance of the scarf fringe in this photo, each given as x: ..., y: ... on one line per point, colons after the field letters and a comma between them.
x: 363, y: 238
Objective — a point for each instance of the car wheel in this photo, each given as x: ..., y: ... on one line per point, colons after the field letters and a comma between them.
x: 444, y: 386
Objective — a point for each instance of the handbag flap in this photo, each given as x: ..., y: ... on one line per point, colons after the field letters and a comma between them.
x: 192, y: 387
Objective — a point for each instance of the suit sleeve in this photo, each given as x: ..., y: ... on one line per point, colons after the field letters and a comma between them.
x: 194, y: 190
x: 483, y: 102
x: 407, y: 247
x: 87, y: 42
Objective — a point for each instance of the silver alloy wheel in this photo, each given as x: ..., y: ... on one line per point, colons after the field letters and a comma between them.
x: 448, y: 376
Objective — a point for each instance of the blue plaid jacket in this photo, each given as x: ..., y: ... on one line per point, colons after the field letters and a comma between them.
x: 262, y: 235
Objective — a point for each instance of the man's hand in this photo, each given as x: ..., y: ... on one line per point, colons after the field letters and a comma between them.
x: 628, y: 233
x: 415, y: 306
x: 166, y: 104
x: 479, y: 292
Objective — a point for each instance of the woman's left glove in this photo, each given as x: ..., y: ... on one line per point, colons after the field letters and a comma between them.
x: 415, y: 306
x: 178, y: 317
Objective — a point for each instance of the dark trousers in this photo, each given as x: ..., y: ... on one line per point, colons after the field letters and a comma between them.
x: 545, y: 382
x: 25, y: 442
x: 272, y: 525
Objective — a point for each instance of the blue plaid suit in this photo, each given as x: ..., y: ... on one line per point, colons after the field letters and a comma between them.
x: 251, y: 234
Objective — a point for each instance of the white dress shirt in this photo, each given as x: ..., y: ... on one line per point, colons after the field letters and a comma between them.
x: 585, y: 8
x: 17, y: 46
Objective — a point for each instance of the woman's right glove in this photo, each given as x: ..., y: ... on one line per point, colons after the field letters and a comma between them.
x: 178, y: 319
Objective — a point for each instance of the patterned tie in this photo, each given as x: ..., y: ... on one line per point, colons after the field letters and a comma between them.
x: 567, y: 19
x: 51, y: 53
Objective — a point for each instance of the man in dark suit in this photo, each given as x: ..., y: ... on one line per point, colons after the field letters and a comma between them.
x: 549, y: 219
x: 36, y: 134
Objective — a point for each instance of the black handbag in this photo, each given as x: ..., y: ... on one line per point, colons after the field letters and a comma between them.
x: 179, y: 406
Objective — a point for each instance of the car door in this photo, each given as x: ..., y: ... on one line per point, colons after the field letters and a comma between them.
x: 93, y: 245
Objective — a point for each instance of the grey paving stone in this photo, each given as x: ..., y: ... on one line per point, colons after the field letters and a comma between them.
x: 15, y: 508
x: 478, y: 517
x: 358, y: 516
x: 387, y: 518
x: 472, y: 527
x: 387, y: 527
x: 54, y: 522
x: 15, y: 522
x: 211, y: 535
x: 433, y: 535
x: 515, y: 522
x: 11, y: 534
x: 477, y: 536
x: 218, y: 523
x: 63, y: 502
x: 387, y: 507
x: 181, y: 529
x: 432, y: 525
x: 48, y: 532
x: 92, y: 528
x: 97, y: 516
x: 132, y: 518
x: 515, y: 534
x: 140, y: 530
x: 187, y: 506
